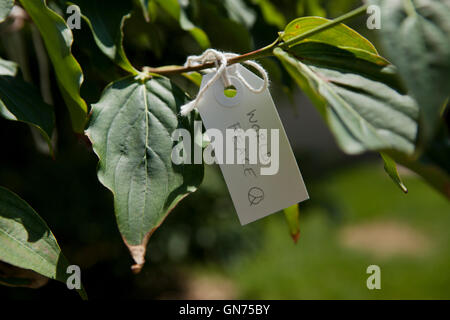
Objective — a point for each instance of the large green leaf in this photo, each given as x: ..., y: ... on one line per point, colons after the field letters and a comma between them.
x: 106, y: 25
x: 339, y: 36
x: 415, y: 34
x: 130, y: 130
x: 58, y: 40
x: 20, y: 101
x: 338, y: 46
x: 27, y: 242
x: 363, y: 112
x: 5, y: 8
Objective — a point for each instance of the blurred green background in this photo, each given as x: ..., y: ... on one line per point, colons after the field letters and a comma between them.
x: 356, y: 216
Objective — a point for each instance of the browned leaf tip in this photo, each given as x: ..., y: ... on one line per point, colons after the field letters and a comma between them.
x: 138, y: 252
x: 295, y: 236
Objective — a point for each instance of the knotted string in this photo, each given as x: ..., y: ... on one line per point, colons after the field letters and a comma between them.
x: 220, y: 60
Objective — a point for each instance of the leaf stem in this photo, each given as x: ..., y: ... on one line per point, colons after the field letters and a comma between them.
x: 259, y: 53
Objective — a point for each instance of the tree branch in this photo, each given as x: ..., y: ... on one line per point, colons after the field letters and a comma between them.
x: 257, y: 54
x: 260, y: 53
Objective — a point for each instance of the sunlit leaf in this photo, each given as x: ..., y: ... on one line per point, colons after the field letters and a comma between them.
x: 27, y: 242
x: 131, y: 129
x: 339, y: 36
x: 58, y: 40
x: 194, y: 77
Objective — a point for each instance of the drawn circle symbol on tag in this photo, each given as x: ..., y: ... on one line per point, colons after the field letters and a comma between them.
x: 229, y: 101
x: 255, y: 195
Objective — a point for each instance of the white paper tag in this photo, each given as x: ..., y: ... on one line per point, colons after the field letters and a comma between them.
x: 254, y: 195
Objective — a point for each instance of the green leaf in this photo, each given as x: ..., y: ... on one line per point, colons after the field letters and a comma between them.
x: 130, y: 129
x: 5, y: 8
x: 352, y: 59
x: 391, y: 169
x: 27, y: 241
x: 106, y: 26
x: 20, y: 101
x: 363, y: 112
x: 415, y: 35
x: 292, y: 218
x: 58, y: 41
x: 339, y: 36
x: 233, y: 36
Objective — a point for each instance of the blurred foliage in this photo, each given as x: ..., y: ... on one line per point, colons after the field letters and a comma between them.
x: 203, y: 234
x: 406, y: 235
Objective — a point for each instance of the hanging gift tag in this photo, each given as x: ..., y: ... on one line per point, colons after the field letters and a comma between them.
x: 272, y: 182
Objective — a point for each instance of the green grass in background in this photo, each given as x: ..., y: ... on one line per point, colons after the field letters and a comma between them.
x: 406, y: 235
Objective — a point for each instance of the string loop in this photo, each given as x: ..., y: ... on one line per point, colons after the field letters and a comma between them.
x: 220, y: 60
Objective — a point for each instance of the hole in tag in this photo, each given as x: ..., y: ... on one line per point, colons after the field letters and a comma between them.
x: 230, y: 96
x: 230, y: 91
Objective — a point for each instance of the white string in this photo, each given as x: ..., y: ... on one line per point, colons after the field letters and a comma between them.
x: 220, y: 60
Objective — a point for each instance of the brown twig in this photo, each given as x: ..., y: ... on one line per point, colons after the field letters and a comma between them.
x: 257, y: 54
x: 260, y: 53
